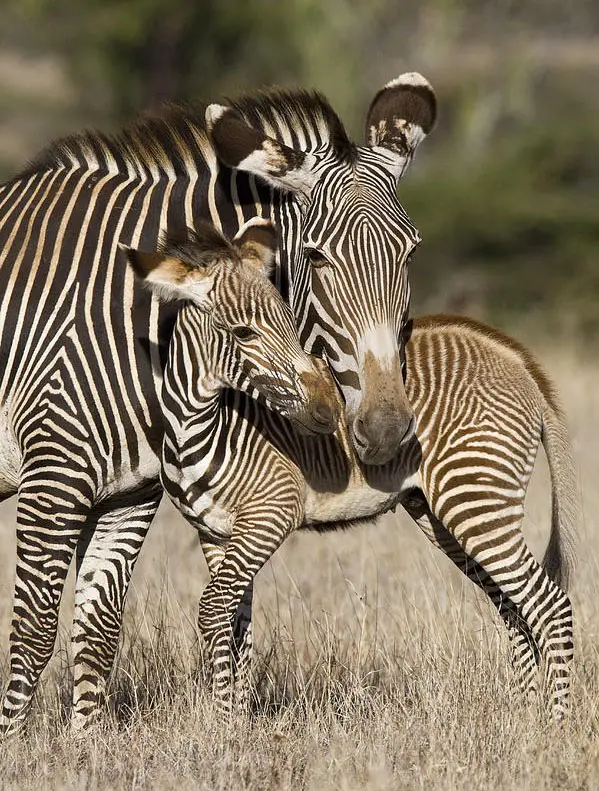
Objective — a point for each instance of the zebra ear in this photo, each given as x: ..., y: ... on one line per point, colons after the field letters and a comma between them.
x: 401, y: 115
x: 257, y: 244
x: 167, y: 276
x: 239, y: 145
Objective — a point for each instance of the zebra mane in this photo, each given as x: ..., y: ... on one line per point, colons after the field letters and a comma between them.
x: 298, y: 117
x: 175, y: 136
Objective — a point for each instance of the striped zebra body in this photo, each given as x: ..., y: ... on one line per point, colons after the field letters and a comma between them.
x: 482, y: 407
x: 83, y: 346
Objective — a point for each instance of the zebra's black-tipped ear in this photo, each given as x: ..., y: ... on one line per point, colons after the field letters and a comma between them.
x: 401, y: 115
x: 168, y: 276
x: 257, y: 243
x: 239, y: 145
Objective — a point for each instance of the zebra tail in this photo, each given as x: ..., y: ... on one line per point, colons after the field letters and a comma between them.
x: 560, y: 555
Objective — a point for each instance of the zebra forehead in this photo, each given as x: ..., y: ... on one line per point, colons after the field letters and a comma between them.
x: 364, y: 235
x: 247, y: 289
x: 350, y: 216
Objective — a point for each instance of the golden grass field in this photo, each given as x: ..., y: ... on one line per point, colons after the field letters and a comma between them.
x: 377, y: 666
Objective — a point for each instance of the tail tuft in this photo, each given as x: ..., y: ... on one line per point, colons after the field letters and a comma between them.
x: 560, y: 555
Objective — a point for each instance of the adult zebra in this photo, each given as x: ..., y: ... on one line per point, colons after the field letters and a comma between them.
x: 83, y: 348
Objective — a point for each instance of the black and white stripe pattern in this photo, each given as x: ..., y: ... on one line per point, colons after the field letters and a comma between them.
x: 83, y: 347
x: 482, y: 406
x: 235, y: 332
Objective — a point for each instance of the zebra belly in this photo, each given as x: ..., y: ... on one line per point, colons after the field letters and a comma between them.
x: 10, y: 455
x: 359, y: 500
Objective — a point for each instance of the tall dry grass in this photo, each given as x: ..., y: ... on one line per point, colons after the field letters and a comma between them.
x: 377, y: 666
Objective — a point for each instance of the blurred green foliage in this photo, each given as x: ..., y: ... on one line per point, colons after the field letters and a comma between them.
x: 519, y: 226
x: 505, y: 192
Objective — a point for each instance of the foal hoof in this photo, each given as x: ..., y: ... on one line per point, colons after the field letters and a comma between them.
x: 11, y: 726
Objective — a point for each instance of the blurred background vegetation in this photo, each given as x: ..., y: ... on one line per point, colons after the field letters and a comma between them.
x: 506, y: 190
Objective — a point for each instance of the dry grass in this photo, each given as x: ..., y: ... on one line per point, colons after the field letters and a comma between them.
x: 377, y: 667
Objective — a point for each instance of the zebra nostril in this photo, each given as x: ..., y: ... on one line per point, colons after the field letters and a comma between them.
x: 360, y: 432
x: 410, y: 430
x: 324, y: 413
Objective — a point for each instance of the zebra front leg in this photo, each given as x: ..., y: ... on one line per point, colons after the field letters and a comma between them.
x: 523, y: 648
x: 243, y: 650
x: 105, y: 563
x: 50, y: 516
x: 252, y: 543
x: 242, y: 631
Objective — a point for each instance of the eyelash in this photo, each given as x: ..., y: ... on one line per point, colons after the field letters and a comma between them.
x: 243, y: 333
x: 316, y: 259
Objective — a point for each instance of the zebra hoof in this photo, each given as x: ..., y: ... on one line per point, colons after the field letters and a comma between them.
x: 11, y: 726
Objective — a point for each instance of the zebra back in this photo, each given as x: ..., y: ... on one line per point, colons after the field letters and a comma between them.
x: 448, y: 358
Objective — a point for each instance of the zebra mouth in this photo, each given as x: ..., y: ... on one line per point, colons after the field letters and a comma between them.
x: 378, y: 454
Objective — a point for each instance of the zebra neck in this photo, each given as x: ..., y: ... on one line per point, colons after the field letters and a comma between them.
x: 186, y: 418
x: 292, y: 274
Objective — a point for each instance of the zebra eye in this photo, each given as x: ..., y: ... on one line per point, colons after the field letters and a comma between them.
x: 243, y: 333
x: 316, y: 259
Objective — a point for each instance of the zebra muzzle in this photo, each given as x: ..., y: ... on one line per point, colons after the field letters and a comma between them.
x: 379, y: 435
x: 321, y: 409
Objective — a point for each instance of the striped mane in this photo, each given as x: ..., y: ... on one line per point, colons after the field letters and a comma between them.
x: 175, y: 135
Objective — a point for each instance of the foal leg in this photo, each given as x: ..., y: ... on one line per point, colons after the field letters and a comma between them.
x: 488, y: 529
x: 523, y: 649
x: 257, y: 534
x: 242, y: 631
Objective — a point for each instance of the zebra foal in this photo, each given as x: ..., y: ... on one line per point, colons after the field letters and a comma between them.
x: 233, y: 331
x: 482, y: 406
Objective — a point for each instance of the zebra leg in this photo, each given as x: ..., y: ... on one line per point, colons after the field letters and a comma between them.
x: 523, y: 649
x: 105, y: 561
x: 243, y: 649
x: 242, y: 630
x: 253, y: 542
x: 50, y: 516
x: 491, y: 534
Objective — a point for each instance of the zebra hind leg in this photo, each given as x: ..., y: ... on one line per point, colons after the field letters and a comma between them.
x: 491, y: 534
x: 105, y: 562
x: 523, y: 648
x: 50, y: 517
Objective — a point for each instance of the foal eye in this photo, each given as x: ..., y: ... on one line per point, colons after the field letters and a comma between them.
x: 243, y: 333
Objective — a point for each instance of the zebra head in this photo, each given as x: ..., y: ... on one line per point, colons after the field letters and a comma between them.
x: 346, y: 240
x: 235, y: 329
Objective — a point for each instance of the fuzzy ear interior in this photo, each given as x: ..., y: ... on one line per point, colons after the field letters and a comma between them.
x: 168, y: 276
x: 257, y: 243
x: 401, y: 115
x: 239, y: 145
